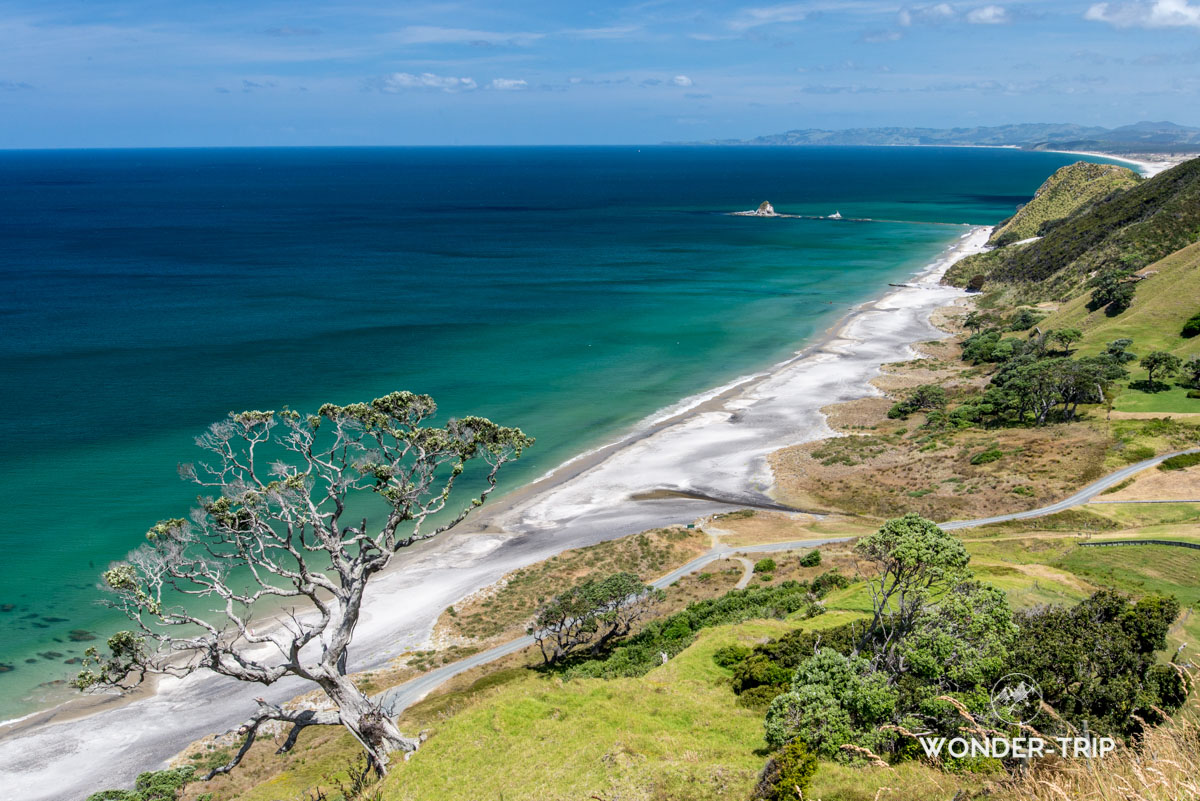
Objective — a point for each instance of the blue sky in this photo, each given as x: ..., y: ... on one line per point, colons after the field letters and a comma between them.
x: 170, y: 73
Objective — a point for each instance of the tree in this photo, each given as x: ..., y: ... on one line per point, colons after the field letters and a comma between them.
x: 1096, y: 661
x: 1112, y: 290
x: 787, y: 774
x: 591, y: 615
x: 914, y: 560
x: 1024, y: 319
x: 1161, y: 362
x: 961, y: 641
x: 1191, y: 370
x: 1118, y: 351
x: 924, y: 398
x: 288, y: 522
x: 1067, y: 337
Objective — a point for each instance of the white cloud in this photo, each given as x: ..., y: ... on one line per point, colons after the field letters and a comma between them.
x: 682, y: 80
x: 770, y: 15
x: 1157, y: 14
x: 988, y: 15
x: 941, y: 12
x: 430, y: 34
x: 508, y: 84
x: 407, y: 81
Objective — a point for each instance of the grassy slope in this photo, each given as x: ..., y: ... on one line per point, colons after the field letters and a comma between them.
x: 1065, y: 192
x: 1161, y: 306
x: 1129, y: 229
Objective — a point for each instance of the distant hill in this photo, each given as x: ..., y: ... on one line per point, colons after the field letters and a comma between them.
x: 1066, y: 191
x: 1141, y: 137
x: 1127, y: 230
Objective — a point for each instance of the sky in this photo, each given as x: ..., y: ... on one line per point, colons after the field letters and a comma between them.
x: 133, y: 73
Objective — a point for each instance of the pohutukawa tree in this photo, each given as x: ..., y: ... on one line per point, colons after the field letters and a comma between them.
x: 284, y: 524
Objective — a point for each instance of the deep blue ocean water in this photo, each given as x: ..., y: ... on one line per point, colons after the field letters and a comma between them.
x: 569, y: 291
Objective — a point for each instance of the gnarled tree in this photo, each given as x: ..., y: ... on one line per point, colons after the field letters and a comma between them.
x: 303, y: 510
x: 591, y: 615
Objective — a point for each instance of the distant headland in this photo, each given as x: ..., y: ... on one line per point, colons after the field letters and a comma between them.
x: 1141, y: 137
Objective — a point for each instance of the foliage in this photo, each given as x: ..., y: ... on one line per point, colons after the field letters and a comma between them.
x: 1066, y: 191
x: 811, y: 559
x: 1024, y: 319
x: 1117, y: 351
x: 1191, y: 371
x: 1097, y: 661
x: 159, y: 785
x: 914, y: 560
x: 835, y: 700
x: 591, y: 615
x: 668, y: 636
x: 1160, y: 362
x: 787, y: 775
x: 1192, y: 327
x: 1180, y: 462
x: 963, y: 640
x: 985, y: 457
x: 926, y: 397
x: 729, y: 655
x: 765, y: 565
x: 1112, y: 290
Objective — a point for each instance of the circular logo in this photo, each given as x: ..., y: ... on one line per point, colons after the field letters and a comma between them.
x: 1016, y: 699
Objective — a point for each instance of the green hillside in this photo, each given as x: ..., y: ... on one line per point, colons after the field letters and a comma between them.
x: 1166, y: 298
x: 1065, y: 192
x: 1127, y: 230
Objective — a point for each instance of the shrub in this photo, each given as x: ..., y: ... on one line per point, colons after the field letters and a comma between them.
x: 827, y: 582
x: 927, y: 397
x: 811, y: 559
x: 1137, y: 453
x: 1024, y: 319
x: 730, y: 655
x: 1180, y: 462
x: 1192, y: 327
x: 158, y: 785
x: 760, y: 697
x: 976, y: 283
x: 984, y: 457
x: 1193, y: 393
x: 787, y: 774
x: 764, y: 565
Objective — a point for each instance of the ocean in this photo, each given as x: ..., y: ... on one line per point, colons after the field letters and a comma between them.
x: 570, y: 291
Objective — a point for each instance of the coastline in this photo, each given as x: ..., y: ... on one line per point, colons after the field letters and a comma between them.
x: 682, y: 456
x: 1147, y: 168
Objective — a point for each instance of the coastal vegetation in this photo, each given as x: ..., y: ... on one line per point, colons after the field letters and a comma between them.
x: 1065, y: 192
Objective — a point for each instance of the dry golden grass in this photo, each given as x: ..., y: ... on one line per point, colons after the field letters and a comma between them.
x: 1163, y: 766
x: 1160, y: 485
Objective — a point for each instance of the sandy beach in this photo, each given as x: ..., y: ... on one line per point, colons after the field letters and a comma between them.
x: 699, y: 456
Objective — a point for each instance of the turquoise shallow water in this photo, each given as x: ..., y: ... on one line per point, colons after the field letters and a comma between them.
x: 570, y: 291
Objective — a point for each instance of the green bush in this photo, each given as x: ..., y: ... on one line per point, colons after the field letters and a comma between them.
x: 158, y: 785
x: 730, y: 655
x: 1137, y: 453
x: 811, y: 559
x: 787, y: 775
x: 1192, y: 327
x: 764, y: 565
x: 1180, y: 462
x: 984, y: 457
x: 1193, y: 393
x: 827, y: 582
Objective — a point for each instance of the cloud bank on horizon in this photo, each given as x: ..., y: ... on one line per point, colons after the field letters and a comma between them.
x: 75, y: 73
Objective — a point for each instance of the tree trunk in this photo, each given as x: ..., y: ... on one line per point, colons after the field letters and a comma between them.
x: 377, y: 733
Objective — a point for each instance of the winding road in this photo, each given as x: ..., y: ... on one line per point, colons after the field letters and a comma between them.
x: 396, y: 699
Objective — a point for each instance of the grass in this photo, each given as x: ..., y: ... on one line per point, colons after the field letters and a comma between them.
x: 675, y: 733
x: 503, y: 608
x: 1164, y: 766
x: 1067, y: 190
